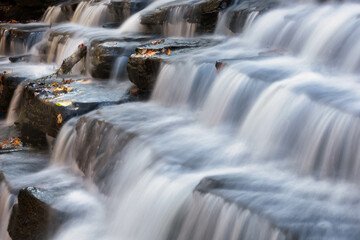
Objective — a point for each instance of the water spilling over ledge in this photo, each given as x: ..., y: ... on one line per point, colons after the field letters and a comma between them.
x: 181, y: 120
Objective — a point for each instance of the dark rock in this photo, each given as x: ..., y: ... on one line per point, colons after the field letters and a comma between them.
x: 33, y: 217
x: 112, y: 25
x: 104, y: 55
x: 26, y: 10
x: 48, y: 103
x: 240, y: 13
x: 121, y: 10
x: 21, y: 37
x: 143, y: 69
x: 11, y: 75
x: 204, y: 14
x: 8, y: 85
x: 21, y: 58
x: 38, y: 3
x: 2, y: 178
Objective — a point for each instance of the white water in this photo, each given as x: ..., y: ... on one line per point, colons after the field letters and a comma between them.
x: 320, y: 33
x: 56, y: 14
x: 92, y: 13
x: 14, y: 107
x: 281, y: 131
x: 177, y: 26
x: 5, y: 210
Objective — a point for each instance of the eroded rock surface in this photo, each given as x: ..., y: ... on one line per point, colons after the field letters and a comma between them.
x: 33, y: 217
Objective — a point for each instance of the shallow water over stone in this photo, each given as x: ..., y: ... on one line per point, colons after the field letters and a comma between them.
x: 251, y: 130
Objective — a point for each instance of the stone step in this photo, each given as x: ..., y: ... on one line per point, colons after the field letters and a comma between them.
x: 285, y: 202
x: 238, y: 14
x: 12, y: 75
x: 144, y: 65
x: 37, y: 195
x: 202, y: 14
x: 19, y: 38
x: 104, y: 52
x: 46, y: 105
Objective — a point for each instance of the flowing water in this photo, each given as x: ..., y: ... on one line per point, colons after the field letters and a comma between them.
x: 265, y: 146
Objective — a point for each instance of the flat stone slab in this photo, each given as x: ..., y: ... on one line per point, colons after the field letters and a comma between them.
x: 46, y: 105
x: 143, y: 66
x: 11, y: 75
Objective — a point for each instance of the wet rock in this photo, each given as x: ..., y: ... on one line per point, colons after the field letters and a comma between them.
x: 37, y: 3
x: 2, y: 178
x: 33, y: 217
x: 143, y: 66
x: 11, y: 76
x: 25, y: 10
x: 20, y: 37
x: 240, y: 14
x: 21, y: 58
x: 121, y: 10
x: 8, y: 85
x: 112, y: 25
x: 203, y: 13
x: 47, y: 103
x: 104, y: 53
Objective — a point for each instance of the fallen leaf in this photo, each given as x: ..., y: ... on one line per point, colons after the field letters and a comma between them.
x: 150, y: 53
x: 64, y: 103
x: 59, y: 119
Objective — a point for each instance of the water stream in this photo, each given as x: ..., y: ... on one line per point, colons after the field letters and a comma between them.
x: 265, y: 146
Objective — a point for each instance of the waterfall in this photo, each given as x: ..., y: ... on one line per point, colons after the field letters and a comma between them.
x: 3, y: 36
x: 321, y: 33
x: 177, y: 25
x: 14, y: 107
x: 92, y: 13
x: 253, y: 135
x: 235, y: 19
x: 5, y: 210
x: 210, y: 217
x: 56, y: 14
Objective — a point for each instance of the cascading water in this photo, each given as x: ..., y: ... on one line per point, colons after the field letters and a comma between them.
x: 263, y: 147
x: 5, y: 210
x: 92, y: 13
x: 14, y: 106
x: 177, y: 25
x: 320, y: 33
x: 56, y: 14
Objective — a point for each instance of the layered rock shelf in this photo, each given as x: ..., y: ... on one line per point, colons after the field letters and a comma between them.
x: 179, y: 120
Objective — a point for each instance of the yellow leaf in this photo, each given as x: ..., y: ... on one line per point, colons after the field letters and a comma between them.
x: 64, y: 103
